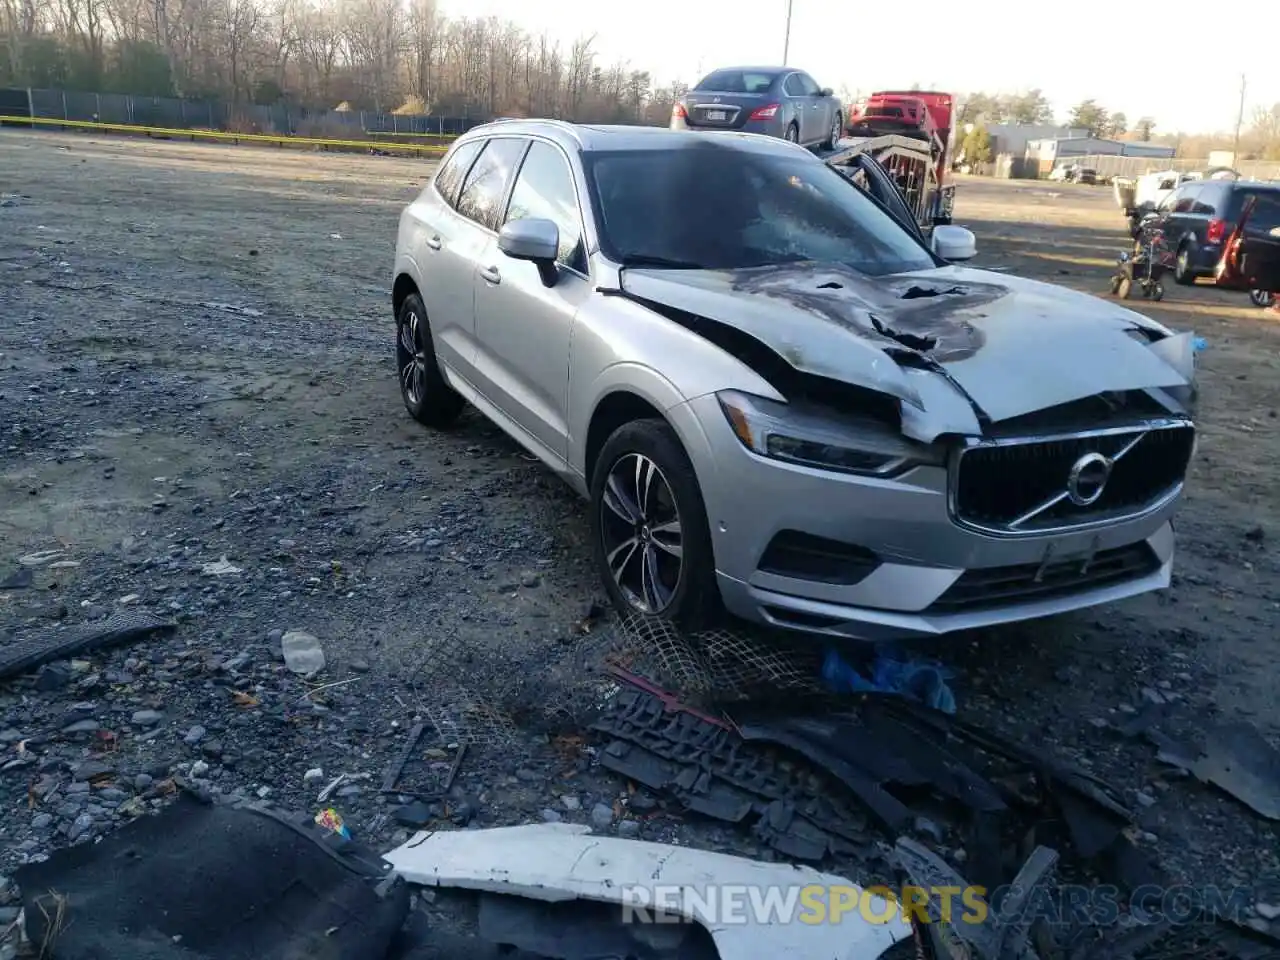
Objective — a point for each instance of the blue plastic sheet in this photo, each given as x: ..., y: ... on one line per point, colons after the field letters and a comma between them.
x: 918, y: 679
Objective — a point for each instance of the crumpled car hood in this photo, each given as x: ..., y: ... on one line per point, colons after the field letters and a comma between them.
x: 1011, y: 345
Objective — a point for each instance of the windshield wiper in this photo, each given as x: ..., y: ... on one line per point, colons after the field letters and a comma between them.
x: 644, y: 260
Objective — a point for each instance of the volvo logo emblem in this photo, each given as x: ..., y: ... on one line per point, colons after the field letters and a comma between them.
x: 1088, y: 479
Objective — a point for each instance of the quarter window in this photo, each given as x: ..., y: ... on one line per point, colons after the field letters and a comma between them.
x: 486, y: 184
x: 544, y: 189
x: 449, y: 176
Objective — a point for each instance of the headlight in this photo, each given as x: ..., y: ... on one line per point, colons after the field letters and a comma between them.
x: 780, y: 432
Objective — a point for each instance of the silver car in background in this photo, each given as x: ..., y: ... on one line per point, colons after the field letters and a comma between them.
x: 776, y: 101
x: 779, y: 400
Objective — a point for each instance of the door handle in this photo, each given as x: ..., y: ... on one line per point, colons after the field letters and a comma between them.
x: 491, y: 275
x: 434, y: 242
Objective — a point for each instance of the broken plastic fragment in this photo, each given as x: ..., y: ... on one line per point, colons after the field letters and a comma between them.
x: 331, y: 819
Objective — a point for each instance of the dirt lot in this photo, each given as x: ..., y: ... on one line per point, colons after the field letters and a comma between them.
x: 196, y: 363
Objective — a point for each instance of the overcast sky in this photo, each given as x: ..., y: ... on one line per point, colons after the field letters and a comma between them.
x: 1127, y: 57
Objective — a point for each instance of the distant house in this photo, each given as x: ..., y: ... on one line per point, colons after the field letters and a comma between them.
x: 1012, y: 138
x: 1045, y: 154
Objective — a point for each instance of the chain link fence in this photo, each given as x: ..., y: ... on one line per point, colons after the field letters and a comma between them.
x: 174, y: 113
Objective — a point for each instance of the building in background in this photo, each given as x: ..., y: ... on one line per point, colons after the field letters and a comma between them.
x: 1012, y: 138
x: 1043, y: 155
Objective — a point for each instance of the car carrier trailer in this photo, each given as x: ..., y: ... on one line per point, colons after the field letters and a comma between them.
x: 912, y: 165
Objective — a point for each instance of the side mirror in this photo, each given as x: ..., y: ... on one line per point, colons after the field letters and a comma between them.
x: 532, y: 239
x: 826, y: 92
x: 954, y: 244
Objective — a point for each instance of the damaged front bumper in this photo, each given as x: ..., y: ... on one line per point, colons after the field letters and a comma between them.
x: 875, y: 558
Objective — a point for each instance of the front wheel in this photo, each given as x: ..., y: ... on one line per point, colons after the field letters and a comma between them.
x: 1125, y: 290
x: 649, y: 528
x: 834, y: 136
x: 1262, y: 298
x: 425, y: 392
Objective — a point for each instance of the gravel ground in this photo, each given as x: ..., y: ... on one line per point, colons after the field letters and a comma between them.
x: 196, y: 366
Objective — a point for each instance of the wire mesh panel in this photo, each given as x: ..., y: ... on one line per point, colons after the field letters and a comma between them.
x: 115, y: 108
x: 47, y: 104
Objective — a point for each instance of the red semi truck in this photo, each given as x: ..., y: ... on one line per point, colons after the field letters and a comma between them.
x: 924, y: 115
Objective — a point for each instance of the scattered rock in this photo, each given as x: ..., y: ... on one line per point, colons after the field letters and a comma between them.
x: 601, y: 816
x: 628, y: 828
x: 146, y: 718
x: 571, y: 802
x: 415, y: 814
x: 302, y: 653
x: 551, y: 816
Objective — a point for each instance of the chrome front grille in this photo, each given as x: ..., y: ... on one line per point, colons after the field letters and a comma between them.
x: 1028, y: 486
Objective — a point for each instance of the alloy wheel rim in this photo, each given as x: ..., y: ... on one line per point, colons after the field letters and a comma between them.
x: 641, y: 533
x: 835, y: 131
x: 793, y: 135
x: 412, y: 358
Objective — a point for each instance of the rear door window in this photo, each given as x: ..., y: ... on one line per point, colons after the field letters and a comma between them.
x: 1186, y: 198
x: 737, y: 81
x: 794, y: 86
x: 1207, y: 200
x: 449, y: 177
x: 485, y: 187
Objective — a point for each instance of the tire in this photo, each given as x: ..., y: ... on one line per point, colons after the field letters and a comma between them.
x: 1182, y: 272
x: 684, y: 592
x: 1125, y: 290
x: 791, y: 134
x: 1261, y: 298
x: 425, y: 392
x: 1115, y: 286
x: 1157, y: 291
x: 834, y: 136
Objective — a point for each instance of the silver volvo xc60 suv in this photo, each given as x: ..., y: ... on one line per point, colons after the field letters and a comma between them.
x: 778, y: 398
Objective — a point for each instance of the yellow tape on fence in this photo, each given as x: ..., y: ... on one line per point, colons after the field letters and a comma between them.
x: 236, y: 137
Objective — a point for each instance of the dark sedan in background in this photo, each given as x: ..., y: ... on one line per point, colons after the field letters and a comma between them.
x: 777, y: 101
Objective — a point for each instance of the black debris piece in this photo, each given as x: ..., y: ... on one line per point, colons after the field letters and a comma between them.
x: 199, y: 880
x: 709, y: 769
x: 1237, y: 759
x: 18, y: 579
x: 18, y: 655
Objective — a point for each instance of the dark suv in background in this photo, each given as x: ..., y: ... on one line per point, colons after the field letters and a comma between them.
x: 1195, y: 220
x: 777, y: 101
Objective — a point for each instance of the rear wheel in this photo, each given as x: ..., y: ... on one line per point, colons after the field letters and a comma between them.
x: 792, y: 134
x: 1182, y: 271
x: 649, y: 528
x: 1262, y: 298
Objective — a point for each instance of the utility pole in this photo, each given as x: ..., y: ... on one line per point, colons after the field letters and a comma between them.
x: 1235, y: 149
x: 786, y: 37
